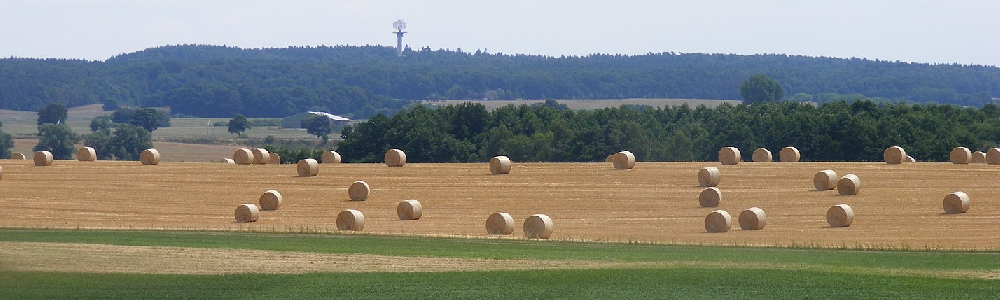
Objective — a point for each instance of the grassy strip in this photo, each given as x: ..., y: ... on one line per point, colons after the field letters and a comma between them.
x: 833, y: 260
x: 677, y: 283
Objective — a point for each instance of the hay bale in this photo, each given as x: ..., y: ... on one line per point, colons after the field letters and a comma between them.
x: 308, y: 167
x: 710, y: 197
x: 270, y: 200
x: 275, y: 159
x: 261, y: 156
x: 960, y: 156
x: 43, y: 158
x: 729, y: 156
x: 409, y: 210
x: 18, y: 155
x: 229, y: 161
x: 246, y: 213
x: 623, y: 160
x: 909, y: 159
x: 395, y: 158
x: 850, y: 184
x: 500, y: 165
x: 330, y: 157
x: 762, y: 155
x: 979, y: 157
x: 993, y: 156
x: 753, y: 219
x: 86, y: 154
x: 610, y: 158
x: 825, y: 180
x: 350, y: 219
x: 359, y: 191
x: 499, y: 223
x: 789, y: 154
x: 956, y: 203
x: 1, y: 172
x: 538, y: 226
x: 709, y: 176
x: 840, y: 215
x: 150, y: 157
x: 894, y: 155
x: 243, y: 156
x: 718, y: 221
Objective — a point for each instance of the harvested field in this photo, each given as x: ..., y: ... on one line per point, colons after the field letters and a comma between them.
x: 900, y: 206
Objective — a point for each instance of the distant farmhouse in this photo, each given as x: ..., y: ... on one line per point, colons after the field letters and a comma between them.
x: 295, y: 121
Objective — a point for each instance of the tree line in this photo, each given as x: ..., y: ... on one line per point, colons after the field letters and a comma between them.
x: 832, y: 131
x: 361, y: 81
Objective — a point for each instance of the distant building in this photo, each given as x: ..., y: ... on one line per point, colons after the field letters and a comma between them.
x: 295, y: 121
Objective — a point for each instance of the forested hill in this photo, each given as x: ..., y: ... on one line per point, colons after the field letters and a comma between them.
x: 218, y: 81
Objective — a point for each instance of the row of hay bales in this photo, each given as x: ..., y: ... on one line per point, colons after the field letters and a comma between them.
x: 44, y: 158
x: 252, y: 156
x: 732, y: 155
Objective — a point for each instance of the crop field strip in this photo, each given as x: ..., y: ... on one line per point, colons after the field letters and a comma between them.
x: 898, y: 207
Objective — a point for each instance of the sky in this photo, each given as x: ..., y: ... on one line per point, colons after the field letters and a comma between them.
x: 958, y: 31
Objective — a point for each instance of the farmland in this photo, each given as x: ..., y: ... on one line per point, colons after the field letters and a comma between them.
x: 589, y: 104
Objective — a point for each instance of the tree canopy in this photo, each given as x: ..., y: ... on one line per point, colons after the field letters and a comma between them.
x: 361, y: 81
x: 58, y: 139
x: 54, y: 113
x: 759, y: 89
x: 239, y: 124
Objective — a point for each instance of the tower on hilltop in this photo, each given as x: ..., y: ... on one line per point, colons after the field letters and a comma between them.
x: 399, y: 25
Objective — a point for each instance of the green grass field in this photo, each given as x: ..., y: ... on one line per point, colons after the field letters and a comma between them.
x: 673, y: 271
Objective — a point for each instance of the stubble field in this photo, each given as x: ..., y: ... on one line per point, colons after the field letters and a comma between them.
x: 899, y: 206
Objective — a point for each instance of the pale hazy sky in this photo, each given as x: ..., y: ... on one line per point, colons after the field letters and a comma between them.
x: 957, y: 31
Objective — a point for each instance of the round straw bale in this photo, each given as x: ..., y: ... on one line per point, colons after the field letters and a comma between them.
x: 909, y: 159
x: 729, y: 156
x: 979, y: 157
x: 789, y: 154
x: 718, y: 221
x: 850, y: 184
x: 246, y: 213
x: 538, y: 226
x: 18, y: 155
x: 710, y: 197
x: 243, y: 156
x: 358, y: 191
x: 330, y: 157
x: 270, y: 200
x: 993, y: 156
x: 150, y: 157
x: 43, y: 158
x: 409, y: 210
x: 350, y: 219
x: 894, y: 155
x: 499, y: 165
x: 275, y: 159
x: 227, y: 161
x: 308, y: 167
x: 261, y: 156
x: 961, y: 156
x: 709, y: 176
x: 86, y: 154
x: 1, y: 172
x: 762, y: 155
x: 840, y: 215
x: 500, y: 223
x: 825, y: 180
x: 753, y: 219
x: 623, y: 160
x: 610, y: 158
x: 395, y: 158
x: 956, y: 203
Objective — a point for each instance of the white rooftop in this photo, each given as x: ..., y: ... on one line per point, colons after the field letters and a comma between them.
x: 329, y: 115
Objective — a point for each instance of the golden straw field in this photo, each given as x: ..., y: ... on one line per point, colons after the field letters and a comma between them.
x: 899, y: 206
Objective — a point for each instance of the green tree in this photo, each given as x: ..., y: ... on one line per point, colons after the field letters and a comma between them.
x: 759, y: 89
x: 126, y: 142
x: 102, y: 123
x: 147, y: 118
x: 320, y: 126
x: 56, y: 138
x: 6, y: 143
x: 239, y: 124
x: 54, y: 113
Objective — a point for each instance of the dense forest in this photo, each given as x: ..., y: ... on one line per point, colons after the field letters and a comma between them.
x: 832, y: 131
x: 361, y: 81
